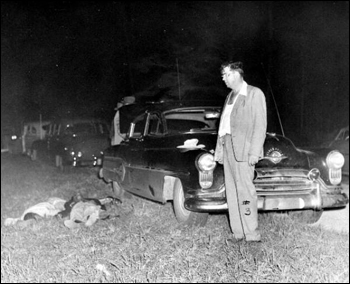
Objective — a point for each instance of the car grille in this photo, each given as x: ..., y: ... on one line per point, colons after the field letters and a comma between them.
x: 282, y: 180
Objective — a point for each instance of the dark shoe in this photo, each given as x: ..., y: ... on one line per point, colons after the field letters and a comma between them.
x: 234, y: 240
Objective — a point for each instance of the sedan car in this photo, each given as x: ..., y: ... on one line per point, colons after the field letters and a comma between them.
x: 167, y: 155
x: 75, y: 142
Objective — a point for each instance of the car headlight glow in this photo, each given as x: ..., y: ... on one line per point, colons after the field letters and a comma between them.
x: 77, y: 154
x: 206, y: 162
x: 335, y: 160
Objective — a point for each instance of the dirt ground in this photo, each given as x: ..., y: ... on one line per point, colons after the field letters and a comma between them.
x: 336, y: 220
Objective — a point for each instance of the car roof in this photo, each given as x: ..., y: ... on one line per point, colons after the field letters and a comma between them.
x: 129, y: 112
x: 134, y: 110
x: 73, y: 121
x: 36, y: 122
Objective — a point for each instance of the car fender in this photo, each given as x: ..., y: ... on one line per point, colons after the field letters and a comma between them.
x: 168, y: 187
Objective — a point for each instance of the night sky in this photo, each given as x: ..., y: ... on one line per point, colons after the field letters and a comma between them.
x: 83, y: 57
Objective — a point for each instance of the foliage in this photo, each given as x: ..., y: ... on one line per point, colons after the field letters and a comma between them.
x: 145, y: 243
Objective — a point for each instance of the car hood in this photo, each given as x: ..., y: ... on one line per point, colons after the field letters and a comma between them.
x: 279, y: 151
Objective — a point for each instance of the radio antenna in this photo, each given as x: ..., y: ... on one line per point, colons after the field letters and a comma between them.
x: 273, y: 97
x: 178, y: 78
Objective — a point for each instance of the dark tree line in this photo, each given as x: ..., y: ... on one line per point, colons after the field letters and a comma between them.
x: 84, y: 56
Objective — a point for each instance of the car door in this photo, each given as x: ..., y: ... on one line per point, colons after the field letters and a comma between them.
x: 131, y: 151
x: 53, y: 143
x: 143, y: 179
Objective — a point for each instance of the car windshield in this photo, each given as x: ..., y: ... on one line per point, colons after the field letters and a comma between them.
x: 86, y: 128
x: 343, y: 134
x: 195, y: 120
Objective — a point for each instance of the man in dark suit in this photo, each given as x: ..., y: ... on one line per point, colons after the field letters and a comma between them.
x: 241, y: 137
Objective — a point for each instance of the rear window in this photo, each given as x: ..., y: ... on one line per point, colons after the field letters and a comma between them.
x: 86, y: 128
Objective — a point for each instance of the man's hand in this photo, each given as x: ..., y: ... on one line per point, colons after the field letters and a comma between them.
x: 252, y: 160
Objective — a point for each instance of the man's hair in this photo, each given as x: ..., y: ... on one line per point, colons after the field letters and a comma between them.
x: 237, y: 66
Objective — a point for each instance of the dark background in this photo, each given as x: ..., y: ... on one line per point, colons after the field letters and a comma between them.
x: 83, y: 57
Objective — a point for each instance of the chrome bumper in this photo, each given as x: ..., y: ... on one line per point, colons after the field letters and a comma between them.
x: 313, y: 198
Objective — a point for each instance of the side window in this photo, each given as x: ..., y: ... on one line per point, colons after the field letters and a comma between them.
x: 50, y: 129
x: 103, y: 128
x: 47, y: 129
x: 137, y: 127
x: 33, y: 130
x: 56, y: 129
x: 343, y: 135
x: 155, y: 125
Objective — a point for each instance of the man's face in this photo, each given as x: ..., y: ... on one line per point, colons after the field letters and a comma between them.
x: 229, y: 77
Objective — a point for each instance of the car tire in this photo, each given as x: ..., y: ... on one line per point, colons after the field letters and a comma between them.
x: 34, y: 155
x: 306, y: 216
x: 184, y: 216
x: 59, y: 162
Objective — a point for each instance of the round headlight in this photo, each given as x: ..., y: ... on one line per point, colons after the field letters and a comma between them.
x: 335, y: 160
x: 206, y: 162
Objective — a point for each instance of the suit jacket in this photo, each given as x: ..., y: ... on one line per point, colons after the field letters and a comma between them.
x: 248, y: 126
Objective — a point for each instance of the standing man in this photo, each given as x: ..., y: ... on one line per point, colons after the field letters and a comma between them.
x: 242, y: 132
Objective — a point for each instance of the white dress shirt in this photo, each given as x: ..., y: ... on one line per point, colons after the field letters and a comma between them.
x: 225, y: 127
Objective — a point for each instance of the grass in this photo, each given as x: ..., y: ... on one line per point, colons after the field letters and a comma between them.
x: 146, y: 244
